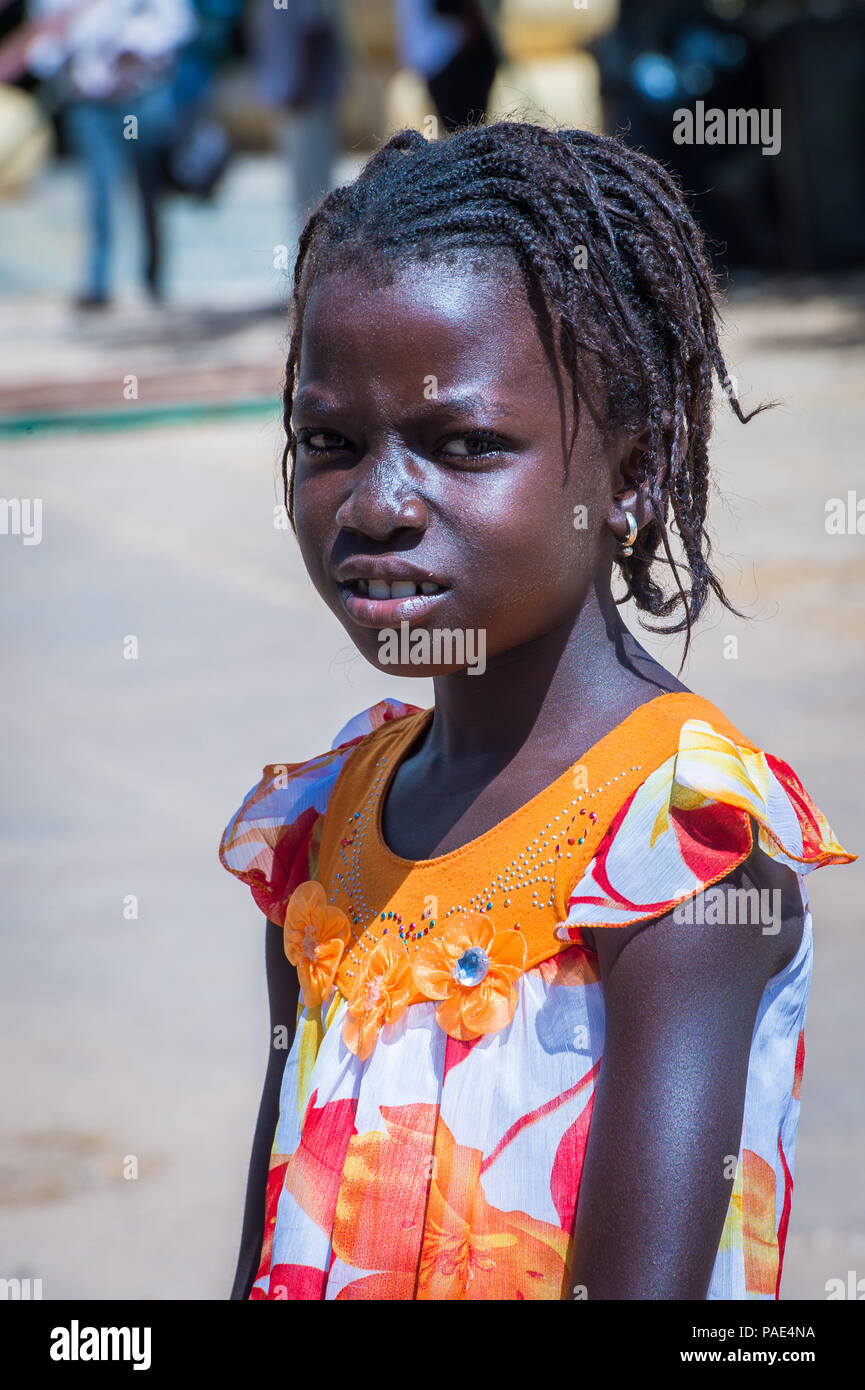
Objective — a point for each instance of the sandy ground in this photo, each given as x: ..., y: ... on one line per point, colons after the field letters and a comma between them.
x: 145, y: 1038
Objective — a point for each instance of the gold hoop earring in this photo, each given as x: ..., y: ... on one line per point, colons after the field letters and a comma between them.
x: 628, y: 542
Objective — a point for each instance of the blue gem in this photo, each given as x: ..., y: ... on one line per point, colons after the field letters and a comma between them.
x: 472, y: 966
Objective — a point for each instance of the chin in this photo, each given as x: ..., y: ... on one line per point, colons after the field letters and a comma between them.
x: 427, y: 652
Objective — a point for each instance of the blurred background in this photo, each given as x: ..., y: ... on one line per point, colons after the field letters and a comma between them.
x: 157, y: 159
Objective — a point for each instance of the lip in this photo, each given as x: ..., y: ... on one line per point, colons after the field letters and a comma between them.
x: 388, y: 612
x: 389, y: 569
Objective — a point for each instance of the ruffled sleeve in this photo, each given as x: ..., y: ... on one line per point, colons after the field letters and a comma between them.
x: 689, y: 825
x: 271, y: 842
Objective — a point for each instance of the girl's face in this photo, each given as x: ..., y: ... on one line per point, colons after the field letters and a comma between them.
x: 433, y: 484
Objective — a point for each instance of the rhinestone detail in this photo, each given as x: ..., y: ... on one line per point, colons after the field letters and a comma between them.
x: 520, y: 873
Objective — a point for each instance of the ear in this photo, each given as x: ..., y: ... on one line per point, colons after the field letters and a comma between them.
x: 630, y: 492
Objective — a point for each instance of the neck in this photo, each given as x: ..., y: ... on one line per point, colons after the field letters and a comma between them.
x: 569, y: 686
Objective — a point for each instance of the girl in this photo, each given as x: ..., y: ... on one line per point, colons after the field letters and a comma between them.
x: 547, y: 943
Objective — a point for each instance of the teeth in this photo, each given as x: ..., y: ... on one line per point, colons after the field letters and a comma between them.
x: 400, y: 588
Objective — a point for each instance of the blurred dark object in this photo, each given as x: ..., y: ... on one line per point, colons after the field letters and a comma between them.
x: 462, y: 88
x: 800, y: 209
x: 455, y: 9
x: 12, y: 16
x: 194, y: 162
x: 453, y: 46
x: 215, y: 40
x: 199, y: 150
x: 817, y: 77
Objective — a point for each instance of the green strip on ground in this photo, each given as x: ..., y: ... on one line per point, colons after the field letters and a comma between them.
x: 133, y: 417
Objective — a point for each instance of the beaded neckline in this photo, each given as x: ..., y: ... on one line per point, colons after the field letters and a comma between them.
x: 391, y: 765
x: 519, y: 872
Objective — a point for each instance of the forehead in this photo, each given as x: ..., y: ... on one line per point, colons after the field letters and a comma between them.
x: 455, y: 316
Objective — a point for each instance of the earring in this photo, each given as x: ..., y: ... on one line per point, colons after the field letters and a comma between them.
x: 628, y: 542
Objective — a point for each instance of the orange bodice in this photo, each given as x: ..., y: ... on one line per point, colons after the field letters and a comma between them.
x: 521, y: 872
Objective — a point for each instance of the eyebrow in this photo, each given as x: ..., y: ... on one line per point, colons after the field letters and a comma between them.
x: 453, y: 406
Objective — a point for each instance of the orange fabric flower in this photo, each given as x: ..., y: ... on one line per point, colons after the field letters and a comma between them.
x: 315, y: 937
x: 382, y: 993
x: 471, y: 967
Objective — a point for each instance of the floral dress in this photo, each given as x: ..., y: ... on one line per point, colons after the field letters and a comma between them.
x: 436, y: 1101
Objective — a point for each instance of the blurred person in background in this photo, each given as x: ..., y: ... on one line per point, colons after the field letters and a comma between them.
x: 452, y: 45
x: 111, y: 60
x: 299, y: 66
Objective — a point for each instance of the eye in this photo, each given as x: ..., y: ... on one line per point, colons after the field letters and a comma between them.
x: 474, y: 444
x: 320, y: 441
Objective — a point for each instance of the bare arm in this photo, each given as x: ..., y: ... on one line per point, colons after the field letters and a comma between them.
x: 681, y: 1002
x: 283, y: 992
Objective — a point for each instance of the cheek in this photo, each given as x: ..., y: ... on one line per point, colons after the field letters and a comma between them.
x: 311, y: 512
x: 315, y: 498
x: 538, y: 542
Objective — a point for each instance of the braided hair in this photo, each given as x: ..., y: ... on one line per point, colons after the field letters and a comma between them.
x: 610, y: 255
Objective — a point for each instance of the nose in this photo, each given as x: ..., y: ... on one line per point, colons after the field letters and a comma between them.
x: 384, y: 498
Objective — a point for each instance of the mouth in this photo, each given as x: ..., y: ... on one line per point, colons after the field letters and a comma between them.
x: 383, y: 602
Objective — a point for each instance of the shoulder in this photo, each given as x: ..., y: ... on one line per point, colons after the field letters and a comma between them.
x: 736, y: 933
x: 270, y: 842
x: 695, y: 821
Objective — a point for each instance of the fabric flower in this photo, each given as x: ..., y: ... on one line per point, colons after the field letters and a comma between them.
x: 315, y: 937
x: 382, y: 993
x: 471, y: 968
